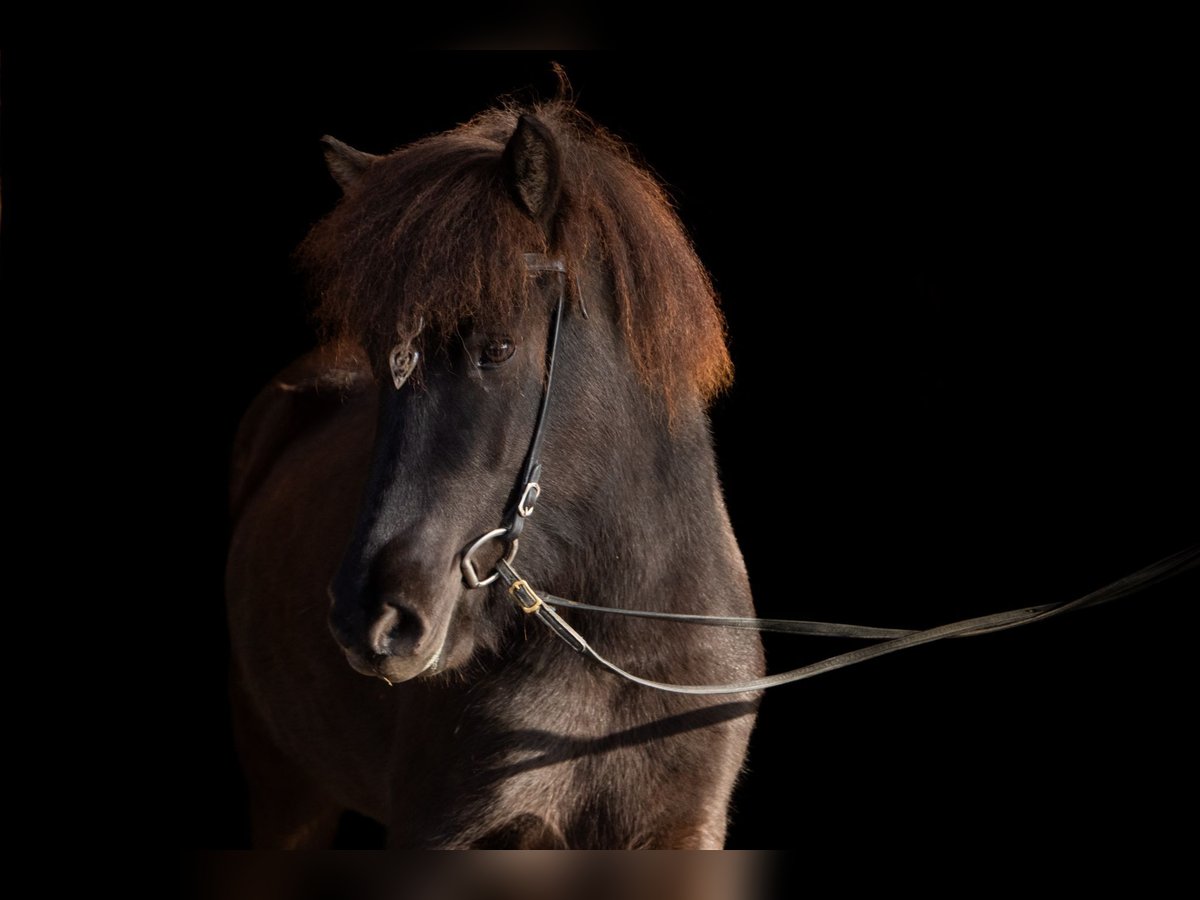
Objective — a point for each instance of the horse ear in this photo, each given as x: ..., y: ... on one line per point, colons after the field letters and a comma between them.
x: 346, y: 164
x: 532, y: 166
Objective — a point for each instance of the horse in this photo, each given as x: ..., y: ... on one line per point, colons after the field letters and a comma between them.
x: 452, y: 279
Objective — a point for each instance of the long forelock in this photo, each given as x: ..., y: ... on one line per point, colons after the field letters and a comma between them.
x: 430, y: 235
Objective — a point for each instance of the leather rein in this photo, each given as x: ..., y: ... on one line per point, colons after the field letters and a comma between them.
x: 544, y: 607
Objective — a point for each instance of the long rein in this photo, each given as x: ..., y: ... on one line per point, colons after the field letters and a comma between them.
x: 544, y: 607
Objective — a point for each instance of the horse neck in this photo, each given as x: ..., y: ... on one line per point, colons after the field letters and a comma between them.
x: 657, y: 535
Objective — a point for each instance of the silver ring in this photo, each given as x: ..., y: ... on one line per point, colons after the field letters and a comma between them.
x: 470, y: 575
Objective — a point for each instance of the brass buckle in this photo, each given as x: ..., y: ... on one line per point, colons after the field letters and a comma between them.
x: 522, y: 584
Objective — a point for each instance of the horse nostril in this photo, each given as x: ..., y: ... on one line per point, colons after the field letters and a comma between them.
x: 398, y: 631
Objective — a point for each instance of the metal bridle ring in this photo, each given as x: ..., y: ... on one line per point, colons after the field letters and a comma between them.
x: 470, y: 575
x: 533, y: 490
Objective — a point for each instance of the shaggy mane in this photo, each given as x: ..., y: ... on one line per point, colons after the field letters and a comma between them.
x: 431, y: 232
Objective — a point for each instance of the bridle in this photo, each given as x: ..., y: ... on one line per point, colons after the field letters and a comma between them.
x: 544, y: 607
x: 528, y: 489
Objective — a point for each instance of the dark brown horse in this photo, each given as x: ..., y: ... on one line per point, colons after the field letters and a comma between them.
x: 356, y: 492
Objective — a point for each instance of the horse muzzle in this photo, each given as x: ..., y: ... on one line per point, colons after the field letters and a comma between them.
x: 400, y: 641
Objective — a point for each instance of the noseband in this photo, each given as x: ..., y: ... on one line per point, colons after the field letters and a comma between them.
x: 528, y: 490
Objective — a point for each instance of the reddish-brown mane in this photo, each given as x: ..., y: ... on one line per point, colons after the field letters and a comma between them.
x: 431, y: 232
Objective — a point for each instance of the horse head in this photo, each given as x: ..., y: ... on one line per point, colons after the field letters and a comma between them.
x: 444, y: 263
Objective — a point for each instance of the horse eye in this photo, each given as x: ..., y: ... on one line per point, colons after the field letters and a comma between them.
x: 496, y: 352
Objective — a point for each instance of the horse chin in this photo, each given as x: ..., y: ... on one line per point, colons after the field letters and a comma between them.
x: 395, y: 670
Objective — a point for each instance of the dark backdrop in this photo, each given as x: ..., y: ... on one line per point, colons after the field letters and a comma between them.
x: 965, y: 382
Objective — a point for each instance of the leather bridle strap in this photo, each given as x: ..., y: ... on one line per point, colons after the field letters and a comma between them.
x: 542, y: 607
x: 748, y: 623
x: 528, y: 486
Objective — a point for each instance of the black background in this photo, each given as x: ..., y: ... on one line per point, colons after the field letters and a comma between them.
x: 960, y: 308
